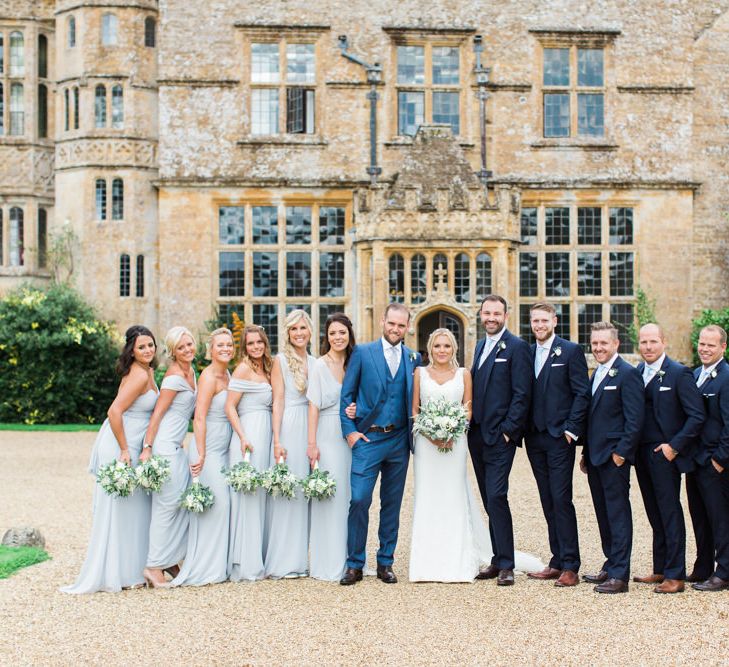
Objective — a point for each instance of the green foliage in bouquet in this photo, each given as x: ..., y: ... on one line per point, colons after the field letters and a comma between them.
x: 319, y: 484
x: 279, y: 481
x: 56, y: 358
x: 243, y: 477
x: 117, y: 479
x: 153, y: 473
x: 197, y: 497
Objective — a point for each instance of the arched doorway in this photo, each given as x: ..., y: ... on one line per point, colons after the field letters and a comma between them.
x: 437, y: 319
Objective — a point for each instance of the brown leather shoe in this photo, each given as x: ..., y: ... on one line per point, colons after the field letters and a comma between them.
x: 385, y: 573
x: 713, y: 583
x: 351, y: 576
x: 506, y: 578
x: 599, y: 578
x: 546, y: 573
x: 650, y: 579
x: 567, y: 578
x: 670, y: 586
x: 612, y: 586
x: 491, y: 572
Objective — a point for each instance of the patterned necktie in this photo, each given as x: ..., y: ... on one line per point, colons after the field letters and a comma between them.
x: 597, y: 379
x: 703, y: 377
x: 490, y: 342
x: 392, y: 360
x: 647, y: 374
x: 539, y: 360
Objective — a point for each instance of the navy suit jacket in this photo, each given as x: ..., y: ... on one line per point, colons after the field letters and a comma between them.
x: 615, y: 417
x: 677, y: 409
x: 365, y: 383
x: 561, y: 393
x: 714, y: 438
x: 502, y: 390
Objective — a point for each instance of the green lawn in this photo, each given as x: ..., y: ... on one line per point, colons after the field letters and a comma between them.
x: 13, y: 558
x: 49, y: 427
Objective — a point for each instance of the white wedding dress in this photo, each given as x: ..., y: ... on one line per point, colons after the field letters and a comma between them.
x: 450, y: 541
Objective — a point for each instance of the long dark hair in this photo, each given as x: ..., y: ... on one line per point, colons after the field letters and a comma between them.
x: 266, y: 361
x: 126, y: 358
x: 339, y: 318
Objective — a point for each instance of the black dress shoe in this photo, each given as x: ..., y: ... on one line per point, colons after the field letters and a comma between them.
x: 491, y: 572
x: 351, y: 576
x: 713, y: 583
x: 506, y: 578
x: 598, y: 578
x: 612, y: 586
x: 385, y: 573
x: 694, y: 578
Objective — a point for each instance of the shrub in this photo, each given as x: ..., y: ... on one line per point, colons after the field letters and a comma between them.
x: 56, y: 358
x: 720, y: 317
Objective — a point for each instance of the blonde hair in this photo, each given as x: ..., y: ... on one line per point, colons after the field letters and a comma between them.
x: 294, y: 361
x: 211, y: 338
x: 173, y: 338
x: 266, y: 362
x: 451, y: 338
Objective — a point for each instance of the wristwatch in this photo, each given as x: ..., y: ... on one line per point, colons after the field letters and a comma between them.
x: 147, y: 446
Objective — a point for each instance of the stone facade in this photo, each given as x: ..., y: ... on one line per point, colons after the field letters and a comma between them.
x: 237, y: 198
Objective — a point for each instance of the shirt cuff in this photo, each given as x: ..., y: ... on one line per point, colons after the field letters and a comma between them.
x: 571, y: 435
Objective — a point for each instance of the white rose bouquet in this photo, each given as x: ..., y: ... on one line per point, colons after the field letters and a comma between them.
x: 243, y: 477
x: 117, y: 479
x: 442, y: 421
x: 197, y: 497
x: 280, y: 481
x: 153, y: 473
x: 318, y: 484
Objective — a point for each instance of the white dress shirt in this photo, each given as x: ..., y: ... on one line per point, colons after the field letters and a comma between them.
x: 541, y: 354
x: 601, y: 372
x: 491, y: 342
x: 393, y: 355
x: 650, y: 370
x: 705, y: 372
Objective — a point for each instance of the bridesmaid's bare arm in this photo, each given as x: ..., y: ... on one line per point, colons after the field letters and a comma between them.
x: 279, y: 403
x: 132, y: 386
x: 166, y: 396
x: 205, y: 393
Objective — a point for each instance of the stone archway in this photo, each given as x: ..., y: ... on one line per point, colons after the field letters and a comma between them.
x: 441, y: 318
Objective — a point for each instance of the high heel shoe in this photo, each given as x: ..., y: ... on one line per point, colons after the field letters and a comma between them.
x: 151, y: 583
x: 172, y: 570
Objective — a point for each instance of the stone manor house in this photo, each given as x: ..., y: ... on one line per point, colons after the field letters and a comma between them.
x: 329, y: 155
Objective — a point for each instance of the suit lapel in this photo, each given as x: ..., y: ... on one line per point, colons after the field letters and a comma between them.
x: 547, y: 367
x: 598, y: 394
x: 378, y: 357
x: 477, y: 356
x: 488, y: 365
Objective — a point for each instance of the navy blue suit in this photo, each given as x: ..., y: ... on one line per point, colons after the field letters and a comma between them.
x: 384, y: 401
x: 674, y: 414
x: 614, y: 424
x: 501, y: 393
x: 707, y: 489
x: 560, y: 398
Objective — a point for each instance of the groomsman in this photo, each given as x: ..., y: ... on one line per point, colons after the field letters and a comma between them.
x: 674, y: 414
x: 614, y: 423
x: 501, y: 390
x: 560, y: 398
x: 708, y: 487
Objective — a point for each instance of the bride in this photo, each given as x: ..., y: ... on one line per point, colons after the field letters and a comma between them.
x: 450, y: 540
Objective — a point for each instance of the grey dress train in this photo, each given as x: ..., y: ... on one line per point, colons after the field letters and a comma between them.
x: 206, y: 561
x: 248, y: 511
x: 120, y: 530
x: 168, y: 527
x: 288, y: 520
x: 328, y: 533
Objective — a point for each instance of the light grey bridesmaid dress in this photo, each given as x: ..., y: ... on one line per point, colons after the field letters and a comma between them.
x: 206, y: 561
x: 328, y: 530
x: 287, y: 521
x: 248, y: 511
x: 119, y: 539
x: 168, y: 527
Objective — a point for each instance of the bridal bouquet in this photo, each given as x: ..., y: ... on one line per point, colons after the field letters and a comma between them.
x: 117, y: 479
x: 153, y: 473
x: 196, y: 497
x: 318, y: 484
x: 279, y: 481
x: 243, y: 477
x: 441, y: 420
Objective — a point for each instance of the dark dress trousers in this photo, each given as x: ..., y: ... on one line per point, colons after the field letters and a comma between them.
x: 560, y: 399
x: 614, y: 424
x: 707, y: 489
x: 501, y: 391
x: 674, y: 414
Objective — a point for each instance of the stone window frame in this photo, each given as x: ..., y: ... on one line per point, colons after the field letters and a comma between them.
x: 315, y: 304
x: 109, y: 199
x: 111, y: 104
x: 577, y: 305
x: 282, y: 35
x: 71, y: 34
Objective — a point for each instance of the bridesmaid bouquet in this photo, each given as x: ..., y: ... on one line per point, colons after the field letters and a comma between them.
x: 196, y: 497
x: 153, y: 473
x: 279, y: 481
x: 441, y: 420
x: 243, y: 477
x: 117, y: 479
x: 318, y: 484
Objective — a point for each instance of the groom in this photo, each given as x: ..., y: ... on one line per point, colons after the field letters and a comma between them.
x: 379, y: 379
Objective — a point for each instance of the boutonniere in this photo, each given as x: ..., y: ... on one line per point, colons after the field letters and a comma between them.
x: 557, y: 352
x: 660, y: 375
x: 713, y: 374
x: 502, y: 345
x: 613, y: 372
x: 412, y: 356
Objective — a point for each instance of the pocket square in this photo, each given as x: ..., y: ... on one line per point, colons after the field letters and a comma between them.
x: 500, y: 361
x: 557, y: 365
x: 709, y: 395
x: 612, y: 387
x: 664, y: 389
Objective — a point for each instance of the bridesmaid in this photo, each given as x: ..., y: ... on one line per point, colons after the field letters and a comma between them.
x: 250, y: 392
x: 166, y: 432
x: 120, y: 529
x: 288, y: 520
x: 206, y: 561
x: 328, y: 535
